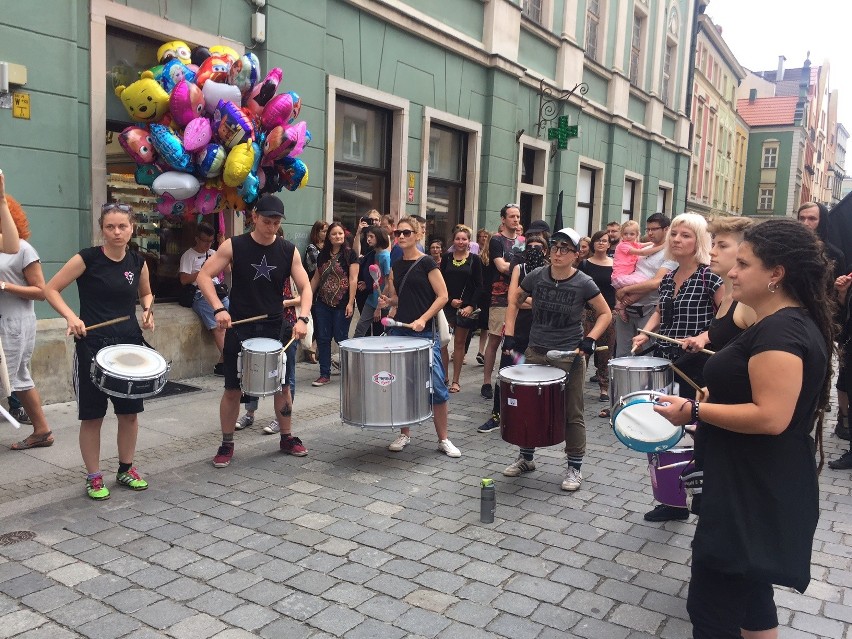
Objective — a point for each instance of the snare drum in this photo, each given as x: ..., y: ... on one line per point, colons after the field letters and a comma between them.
x: 639, y: 427
x: 385, y: 382
x: 631, y: 374
x: 666, y: 484
x: 130, y: 371
x: 261, y: 365
x: 532, y: 405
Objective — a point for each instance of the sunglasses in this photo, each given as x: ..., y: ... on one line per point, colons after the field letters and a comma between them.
x: 121, y: 207
x: 562, y: 249
x: 403, y: 233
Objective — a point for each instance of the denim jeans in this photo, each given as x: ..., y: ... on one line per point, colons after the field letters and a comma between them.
x: 440, y: 394
x: 331, y: 323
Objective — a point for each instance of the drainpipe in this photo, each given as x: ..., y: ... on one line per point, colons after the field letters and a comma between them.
x: 699, y: 6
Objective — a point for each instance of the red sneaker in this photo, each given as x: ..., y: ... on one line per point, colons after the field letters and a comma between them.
x: 223, y: 456
x: 293, y: 446
x: 320, y: 381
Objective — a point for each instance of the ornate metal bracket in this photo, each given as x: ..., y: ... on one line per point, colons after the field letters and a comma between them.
x: 549, y: 102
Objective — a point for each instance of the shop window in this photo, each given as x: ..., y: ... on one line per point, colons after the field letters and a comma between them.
x: 445, y: 188
x: 361, y: 160
x: 159, y: 239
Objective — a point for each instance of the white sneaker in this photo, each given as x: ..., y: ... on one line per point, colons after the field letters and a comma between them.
x: 519, y: 467
x: 446, y: 446
x: 272, y: 428
x: 399, y: 443
x: 244, y: 422
x: 572, y: 480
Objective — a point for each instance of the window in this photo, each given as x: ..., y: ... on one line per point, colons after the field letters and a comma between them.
x: 636, y: 49
x: 445, y: 189
x: 628, y: 201
x: 593, y: 19
x: 361, y: 160
x: 585, y: 200
x: 664, y: 199
x: 532, y: 178
x: 667, y: 73
x: 770, y: 157
x: 767, y: 199
x: 532, y: 10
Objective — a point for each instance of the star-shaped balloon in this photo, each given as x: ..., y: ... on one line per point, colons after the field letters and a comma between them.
x: 263, y: 269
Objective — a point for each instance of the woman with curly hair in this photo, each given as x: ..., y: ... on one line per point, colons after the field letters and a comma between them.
x: 768, y: 389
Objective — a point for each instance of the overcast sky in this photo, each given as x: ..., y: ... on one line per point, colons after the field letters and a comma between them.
x: 758, y: 31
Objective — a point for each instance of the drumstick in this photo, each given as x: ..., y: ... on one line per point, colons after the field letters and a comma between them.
x: 250, y: 319
x: 685, y: 378
x: 563, y: 355
x: 672, y: 340
x: 287, y: 345
x: 150, y: 311
x: 675, y: 465
x: 389, y: 322
x: 108, y: 322
x: 9, y: 418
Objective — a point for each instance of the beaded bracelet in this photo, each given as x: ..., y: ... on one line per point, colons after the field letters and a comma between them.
x: 695, y: 411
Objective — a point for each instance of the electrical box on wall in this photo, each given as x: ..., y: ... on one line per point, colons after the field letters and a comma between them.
x: 258, y: 27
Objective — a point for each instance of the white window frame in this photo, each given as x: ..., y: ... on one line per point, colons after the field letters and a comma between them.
x: 641, y: 14
x: 638, y: 192
x: 668, y: 187
x: 400, y: 110
x: 596, y: 221
x: 766, y: 196
x: 769, y: 153
x: 537, y: 191
x: 473, y: 130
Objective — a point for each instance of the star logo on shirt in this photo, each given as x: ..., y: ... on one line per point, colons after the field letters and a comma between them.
x: 263, y: 269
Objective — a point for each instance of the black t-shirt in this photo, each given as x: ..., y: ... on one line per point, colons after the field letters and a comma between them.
x: 602, y: 276
x: 759, y: 506
x: 463, y: 282
x: 109, y: 289
x: 500, y: 246
x: 258, y: 276
x: 417, y: 294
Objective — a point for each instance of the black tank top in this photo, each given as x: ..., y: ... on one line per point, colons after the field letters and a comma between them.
x: 258, y: 276
x: 723, y: 329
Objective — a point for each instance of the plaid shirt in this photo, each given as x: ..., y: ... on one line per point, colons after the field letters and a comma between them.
x: 690, y: 312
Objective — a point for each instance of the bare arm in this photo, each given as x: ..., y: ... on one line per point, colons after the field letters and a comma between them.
x: 604, y: 316
x: 10, y: 241
x: 212, y: 267
x: 502, y: 265
x: 636, y: 291
x: 34, y: 290
x: 516, y: 299
x: 72, y: 269
x: 146, y: 298
x: 439, y: 287
x: 303, y: 284
x: 648, y: 249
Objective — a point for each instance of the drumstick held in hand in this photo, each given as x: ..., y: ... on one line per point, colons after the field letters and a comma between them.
x: 672, y: 340
x: 149, y: 312
x: 287, y: 345
x: 389, y: 322
x: 685, y: 377
x: 108, y: 322
x: 675, y: 465
x: 250, y: 319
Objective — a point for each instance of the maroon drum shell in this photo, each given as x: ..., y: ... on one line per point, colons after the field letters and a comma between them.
x: 532, y: 405
x: 666, y: 484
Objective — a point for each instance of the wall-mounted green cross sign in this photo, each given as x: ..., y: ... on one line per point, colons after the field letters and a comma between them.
x: 563, y: 132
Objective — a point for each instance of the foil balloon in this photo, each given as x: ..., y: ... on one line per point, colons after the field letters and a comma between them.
x: 180, y: 186
x: 231, y: 126
x: 293, y: 173
x: 199, y: 55
x: 197, y: 134
x: 214, y: 92
x: 250, y: 188
x: 211, y: 160
x: 225, y: 52
x: 238, y: 164
x: 208, y: 200
x: 186, y: 102
x: 245, y: 73
x: 277, y: 111
x: 214, y: 68
x: 285, y: 141
x: 170, y: 207
x: 145, y: 100
x: 174, y: 49
x: 146, y: 174
x: 170, y: 148
x: 232, y: 199
x: 137, y: 143
x: 173, y: 72
x: 263, y: 92
x: 297, y: 105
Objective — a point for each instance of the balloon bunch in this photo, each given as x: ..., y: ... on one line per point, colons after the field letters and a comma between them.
x: 210, y: 133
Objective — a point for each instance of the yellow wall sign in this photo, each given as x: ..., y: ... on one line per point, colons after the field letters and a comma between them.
x: 411, y: 180
x: 21, y: 105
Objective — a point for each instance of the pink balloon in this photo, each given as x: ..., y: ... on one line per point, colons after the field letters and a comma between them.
x: 197, y: 134
x: 277, y: 111
x: 186, y: 102
x: 263, y: 92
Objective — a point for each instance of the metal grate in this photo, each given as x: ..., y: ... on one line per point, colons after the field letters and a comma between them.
x: 16, y: 536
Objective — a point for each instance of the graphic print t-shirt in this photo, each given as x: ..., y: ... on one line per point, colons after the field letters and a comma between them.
x: 108, y: 290
x: 501, y: 246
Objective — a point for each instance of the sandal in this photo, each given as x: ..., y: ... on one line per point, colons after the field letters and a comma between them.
x: 604, y: 413
x: 312, y: 357
x: 454, y: 387
x: 34, y: 441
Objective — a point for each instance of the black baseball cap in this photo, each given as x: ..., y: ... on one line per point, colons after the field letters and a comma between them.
x: 270, y: 206
x: 537, y: 226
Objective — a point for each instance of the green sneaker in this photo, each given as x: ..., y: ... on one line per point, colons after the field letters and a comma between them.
x: 95, y: 488
x: 131, y: 479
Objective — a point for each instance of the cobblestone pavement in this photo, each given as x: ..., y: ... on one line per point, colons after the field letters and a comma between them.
x: 355, y: 541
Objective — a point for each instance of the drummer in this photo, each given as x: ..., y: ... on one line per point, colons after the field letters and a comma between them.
x: 560, y: 293
x: 109, y: 280
x: 260, y: 263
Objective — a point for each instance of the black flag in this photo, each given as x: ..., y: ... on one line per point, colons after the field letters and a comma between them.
x: 557, y: 221
x: 840, y: 231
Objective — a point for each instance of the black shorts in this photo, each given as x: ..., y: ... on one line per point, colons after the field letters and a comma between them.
x: 234, y: 338
x: 719, y: 605
x: 91, y: 400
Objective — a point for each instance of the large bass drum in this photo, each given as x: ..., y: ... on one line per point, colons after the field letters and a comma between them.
x: 386, y: 381
x: 532, y: 405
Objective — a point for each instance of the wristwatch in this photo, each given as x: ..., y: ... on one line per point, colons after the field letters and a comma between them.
x: 306, y: 320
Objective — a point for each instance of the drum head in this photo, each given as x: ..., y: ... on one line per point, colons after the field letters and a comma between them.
x: 130, y: 360
x: 640, y: 428
x: 262, y: 345
x: 384, y: 343
x: 640, y: 363
x: 531, y: 374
